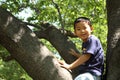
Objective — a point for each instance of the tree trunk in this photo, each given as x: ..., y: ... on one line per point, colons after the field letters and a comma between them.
x: 28, y: 51
x: 113, y: 50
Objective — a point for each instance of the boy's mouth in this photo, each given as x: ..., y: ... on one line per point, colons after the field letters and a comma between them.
x: 83, y: 34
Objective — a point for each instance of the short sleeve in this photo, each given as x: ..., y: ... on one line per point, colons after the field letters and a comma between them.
x: 90, y: 46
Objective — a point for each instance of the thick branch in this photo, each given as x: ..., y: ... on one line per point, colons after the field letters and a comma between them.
x: 61, y: 42
x: 26, y: 49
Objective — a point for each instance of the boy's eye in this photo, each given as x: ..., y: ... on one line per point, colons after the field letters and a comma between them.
x: 78, y: 29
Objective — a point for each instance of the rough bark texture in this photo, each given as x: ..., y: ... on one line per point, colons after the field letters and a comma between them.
x: 61, y: 42
x: 27, y: 50
x: 113, y: 51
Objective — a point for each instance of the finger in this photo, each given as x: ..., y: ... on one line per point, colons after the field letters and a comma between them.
x: 61, y: 62
x: 66, y: 68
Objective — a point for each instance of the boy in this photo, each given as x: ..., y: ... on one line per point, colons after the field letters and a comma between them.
x: 92, y: 59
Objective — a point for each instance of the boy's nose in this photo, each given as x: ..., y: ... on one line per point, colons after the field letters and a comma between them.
x: 82, y: 30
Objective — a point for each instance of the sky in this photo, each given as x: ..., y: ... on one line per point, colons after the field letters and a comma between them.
x: 25, y: 14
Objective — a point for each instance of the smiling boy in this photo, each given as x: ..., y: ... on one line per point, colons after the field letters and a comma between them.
x: 92, y: 59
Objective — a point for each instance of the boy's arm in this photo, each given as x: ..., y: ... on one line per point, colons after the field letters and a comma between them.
x: 74, y: 53
x: 83, y: 58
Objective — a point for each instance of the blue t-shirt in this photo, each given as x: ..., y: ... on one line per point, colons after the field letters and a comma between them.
x: 96, y: 62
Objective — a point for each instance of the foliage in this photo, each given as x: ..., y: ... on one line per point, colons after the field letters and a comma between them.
x: 61, y: 13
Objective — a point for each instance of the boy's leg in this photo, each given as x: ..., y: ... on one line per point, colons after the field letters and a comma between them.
x: 87, y: 76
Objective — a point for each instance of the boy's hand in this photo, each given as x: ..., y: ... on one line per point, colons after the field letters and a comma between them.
x: 65, y: 65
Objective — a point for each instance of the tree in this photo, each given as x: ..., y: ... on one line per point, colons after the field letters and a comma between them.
x: 113, y: 50
x: 25, y: 48
x: 24, y: 45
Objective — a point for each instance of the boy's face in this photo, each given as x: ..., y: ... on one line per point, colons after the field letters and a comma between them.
x: 83, y: 30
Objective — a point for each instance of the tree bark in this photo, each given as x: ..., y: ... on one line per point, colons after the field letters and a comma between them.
x: 113, y: 50
x: 60, y: 42
x: 25, y: 47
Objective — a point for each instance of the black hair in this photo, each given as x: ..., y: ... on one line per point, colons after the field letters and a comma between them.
x: 82, y: 19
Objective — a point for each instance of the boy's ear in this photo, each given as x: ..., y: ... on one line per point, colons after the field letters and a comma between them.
x: 92, y: 28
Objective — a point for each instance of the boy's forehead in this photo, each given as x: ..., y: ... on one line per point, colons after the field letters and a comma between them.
x: 79, y: 24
